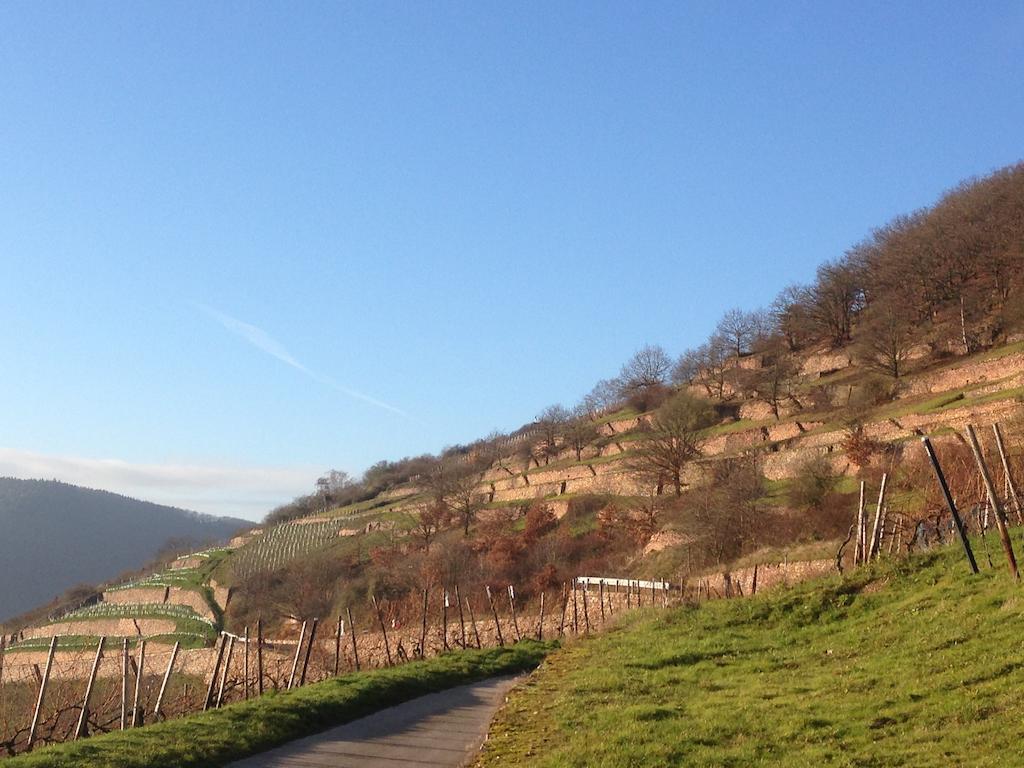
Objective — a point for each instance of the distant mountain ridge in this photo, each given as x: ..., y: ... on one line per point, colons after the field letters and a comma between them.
x: 54, y: 535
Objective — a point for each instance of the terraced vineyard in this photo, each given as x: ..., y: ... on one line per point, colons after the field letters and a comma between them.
x: 280, y: 544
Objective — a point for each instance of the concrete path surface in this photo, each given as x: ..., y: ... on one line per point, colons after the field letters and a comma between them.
x: 440, y: 729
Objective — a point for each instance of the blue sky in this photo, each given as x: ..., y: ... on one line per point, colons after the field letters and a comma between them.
x: 243, y: 243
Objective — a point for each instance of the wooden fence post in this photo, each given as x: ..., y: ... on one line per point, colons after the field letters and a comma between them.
x: 950, y: 503
x: 309, y: 650
x: 259, y: 655
x: 295, y: 660
x: 225, y: 670
x: 1010, y: 484
x: 337, y: 644
x: 462, y: 620
x: 124, y: 683
x: 876, y: 530
x: 472, y: 620
x: 163, y: 684
x: 586, y: 613
x: 861, y: 528
x: 540, y: 624
x: 993, y: 497
x: 383, y: 629
x: 575, y: 610
x: 137, y: 715
x: 494, y: 612
x: 3, y: 647
x: 213, y: 675
x: 444, y: 619
x: 83, y: 717
x: 352, y: 630
x: 565, y: 607
x: 423, y: 624
x: 512, y: 607
x: 245, y: 664
x: 42, y: 692
x: 600, y: 597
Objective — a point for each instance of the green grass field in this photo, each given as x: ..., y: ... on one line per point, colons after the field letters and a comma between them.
x: 914, y: 663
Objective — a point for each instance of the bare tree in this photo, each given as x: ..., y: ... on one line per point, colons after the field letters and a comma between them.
x: 580, y: 430
x: 644, y: 374
x: 738, y: 329
x: 706, y: 366
x: 552, y: 422
x: 672, y: 440
x: 603, y: 397
x: 427, y: 520
x: 885, y: 341
x: 773, y: 382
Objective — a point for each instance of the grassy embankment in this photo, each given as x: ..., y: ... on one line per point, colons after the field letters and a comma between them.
x: 909, y: 663
x: 217, y: 737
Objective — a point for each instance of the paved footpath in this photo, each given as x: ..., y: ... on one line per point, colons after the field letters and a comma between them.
x: 444, y: 729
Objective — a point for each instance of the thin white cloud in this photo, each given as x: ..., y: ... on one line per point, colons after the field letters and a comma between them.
x: 263, y: 341
x: 241, y: 491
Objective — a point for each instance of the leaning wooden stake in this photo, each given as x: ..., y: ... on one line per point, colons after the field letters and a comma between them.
x: 163, y: 684
x: 352, y: 630
x: 540, y: 624
x: 42, y: 693
x: 512, y: 606
x: 83, y: 718
x: 950, y: 503
x: 137, y: 704
x: 259, y: 655
x: 423, y: 625
x: 993, y: 497
x: 309, y: 650
x: 494, y: 612
x: 1010, y: 484
x: 124, y: 683
x: 216, y: 669
x: 575, y: 610
x: 861, y: 528
x: 472, y: 620
x: 565, y: 606
x: 224, y: 671
x: 383, y: 629
x: 600, y: 598
x: 462, y: 619
x: 3, y: 646
x: 444, y: 619
x: 245, y: 663
x: 295, y: 660
x: 337, y: 644
x: 586, y: 613
x: 876, y: 530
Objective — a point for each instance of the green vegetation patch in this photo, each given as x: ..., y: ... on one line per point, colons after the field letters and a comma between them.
x: 910, y: 663
x: 221, y: 736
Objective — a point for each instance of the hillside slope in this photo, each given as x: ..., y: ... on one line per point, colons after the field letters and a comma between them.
x: 907, y: 663
x: 56, y: 535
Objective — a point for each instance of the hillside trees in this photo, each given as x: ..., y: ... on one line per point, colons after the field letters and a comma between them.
x: 672, y: 440
x: 886, y: 340
x: 706, y: 366
x: 580, y: 431
x: 643, y: 378
x: 772, y: 382
x: 552, y: 423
